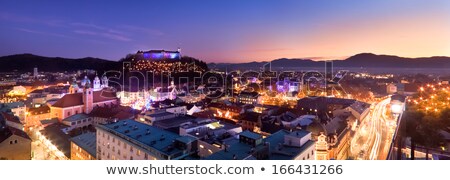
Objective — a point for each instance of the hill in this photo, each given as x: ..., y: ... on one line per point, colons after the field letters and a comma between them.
x: 26, y: 63
x: 365, y: 60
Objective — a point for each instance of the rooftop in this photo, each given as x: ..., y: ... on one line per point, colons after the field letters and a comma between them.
x: 273, y: 143
x: 76, y: 117
x: 251, y: 135
x: 55, y: 134
x: 76, y: 99
x: 173, y: 122
x: 145, y: 136
x: 87, y: 141
x: 9, y: 131
x: 10, y: 117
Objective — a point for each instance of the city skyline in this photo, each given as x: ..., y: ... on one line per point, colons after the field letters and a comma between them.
x: 231, y: 31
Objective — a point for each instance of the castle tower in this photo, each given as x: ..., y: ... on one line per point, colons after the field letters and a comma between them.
x: 88, y: 99
x: 97, y: 85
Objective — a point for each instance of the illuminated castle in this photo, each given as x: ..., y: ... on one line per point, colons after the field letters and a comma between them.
x: 158, y: 54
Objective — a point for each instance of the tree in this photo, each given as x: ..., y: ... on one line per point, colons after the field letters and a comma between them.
x: 412, y: 120
x: 444, y: 118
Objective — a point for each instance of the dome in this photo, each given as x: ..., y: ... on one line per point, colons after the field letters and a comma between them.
x: 85, y: 81
x: 104, y: 77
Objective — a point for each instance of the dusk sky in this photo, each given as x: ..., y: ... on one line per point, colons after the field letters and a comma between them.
x: 226, y: 30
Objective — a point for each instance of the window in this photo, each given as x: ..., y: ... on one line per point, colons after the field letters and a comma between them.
x: 118, y: 152
x: 124, y: 145
x: 138, y: 152
x: 114, y: 149
x: 114, y: 139
x: 15, y: 141
x: 131, y: 157
x: 131, y: 148
x: 68, y: 113
x: 118, y: 143
x: 145, y: 156
x: 10, y: 142
x: 76, y: 112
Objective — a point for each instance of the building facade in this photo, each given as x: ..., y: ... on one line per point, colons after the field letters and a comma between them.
x: 132, y: 140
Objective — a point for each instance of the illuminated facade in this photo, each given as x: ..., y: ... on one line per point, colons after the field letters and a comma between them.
x: 322, y: 147
x: 83, y: 147
x: 132, y: 140
x: 158, y: 54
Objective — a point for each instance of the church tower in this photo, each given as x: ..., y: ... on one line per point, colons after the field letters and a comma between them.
x: 74, y: 86
x: 88, y: 98
x: 97, y: 85
x: 104, y: 81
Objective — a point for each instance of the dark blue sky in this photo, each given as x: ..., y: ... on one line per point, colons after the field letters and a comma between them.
x: 226, y: 30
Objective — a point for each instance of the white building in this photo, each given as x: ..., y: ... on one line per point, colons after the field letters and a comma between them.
x: 132, y: 140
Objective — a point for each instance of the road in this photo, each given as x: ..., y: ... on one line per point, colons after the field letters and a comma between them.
x: 374, y: 135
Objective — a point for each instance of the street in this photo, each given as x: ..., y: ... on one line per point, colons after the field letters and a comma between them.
x: 374, y: 135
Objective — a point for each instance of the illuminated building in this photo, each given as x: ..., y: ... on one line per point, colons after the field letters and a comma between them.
x: 15, y: 144
x: 18, y: 91
x: 359, y: 109
x: 158, y: 54
x: 249, y: 98
x: 282, y: 145
x: 288, y: 86
x: 322, y: 147
x: 209, y: 134
x: 17, y: 108
x: 250, y: 120
x: 337, y: 136
x: 78, y: 121
x: 12, y: 121
x: 56, y: 139
x: 83, y: 147
x: 154, y: 115
x: 132, y: 140
x: 35, y: 72
x: 36, y: 114
x: 84, y: 102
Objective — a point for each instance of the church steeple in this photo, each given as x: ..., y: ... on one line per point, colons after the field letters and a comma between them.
x: 73, y: 86
x: 88, y: 99
x: 104, y: 81
x: 97, y: 85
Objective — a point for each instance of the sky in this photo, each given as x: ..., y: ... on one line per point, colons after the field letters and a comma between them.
x: 226, y: 30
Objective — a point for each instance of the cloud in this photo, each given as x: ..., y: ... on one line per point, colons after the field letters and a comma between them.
x: 149, y: 31
x: 103, y: 34
x: 25, y: 19
x: 97, y: 27
x: 40, y: 32
x: 267, y: 50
